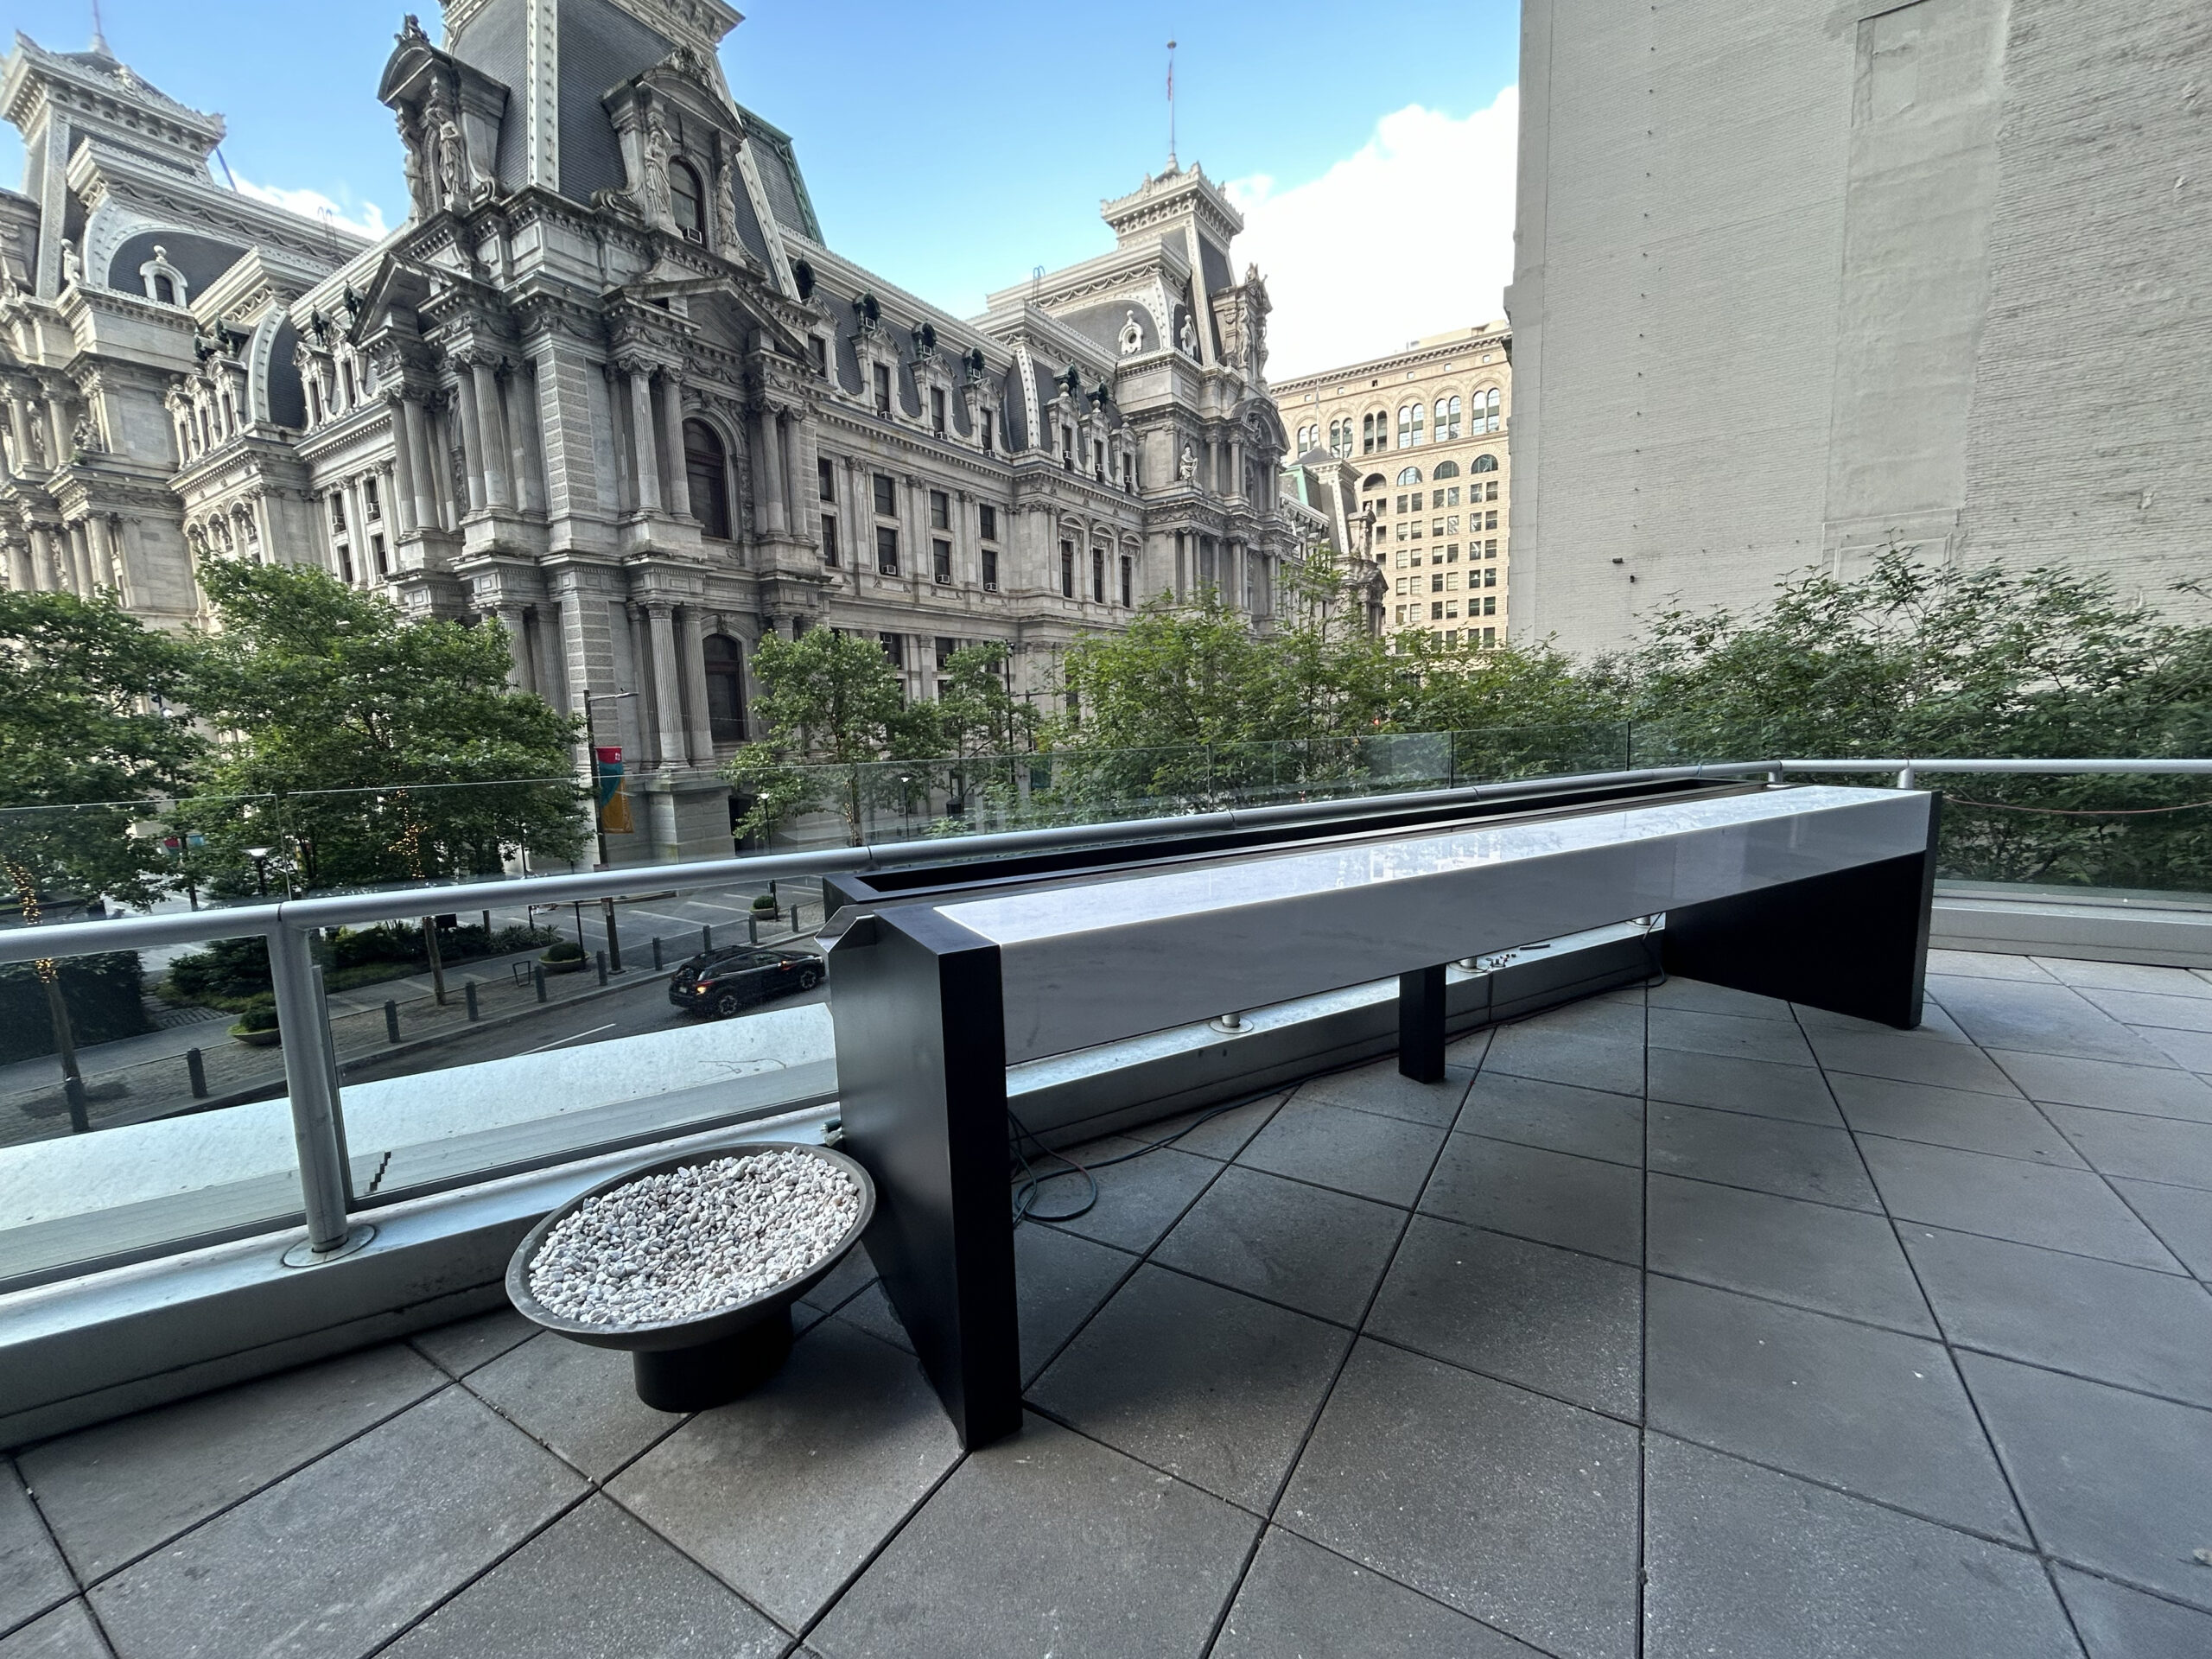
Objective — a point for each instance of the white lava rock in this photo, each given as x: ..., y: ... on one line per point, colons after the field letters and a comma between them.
x: 695, y: 1240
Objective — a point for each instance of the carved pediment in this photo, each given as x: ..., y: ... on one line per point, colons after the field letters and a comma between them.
x: 448, y: 114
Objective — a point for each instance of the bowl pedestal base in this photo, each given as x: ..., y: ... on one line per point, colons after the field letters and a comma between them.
x: 713, y: 1373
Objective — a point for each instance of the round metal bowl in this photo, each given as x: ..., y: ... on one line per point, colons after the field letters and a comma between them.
x: 707, y: 1359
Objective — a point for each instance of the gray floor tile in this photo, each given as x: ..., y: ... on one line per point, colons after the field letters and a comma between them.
x: 1317, y: 1251
x: 1215, y: 1387
x: 1951, y: 1117
x: 1910, y: 1057
x: 1733, y: 1036
x: 1137, y: 1201
x: 1043, y: 1544
x: 1835, y: 1260
x: 1794, y: 1161
x: 460, y: 1347
x: 1381, y: 1158
x: 1547, y: 1196
x: 1558, y: 1116
x: 1875, y: 1412
x: 1383, y: 1088
x: 595, y: 1585
x: 1515, y: 1509
x: 2117, y: 976
x: 2117, y: 1622
x: 2180, y: 1215
x: 1989, y: 964
x: 579, y: 1401
x: 2148, y: 1089
x: 2139, y: 1329
x: 2038, y: 1020
x: 1615, y: 1065
x: 1299, y: 1599
x: 854, y: 1272
x: 32, y: 1576
x: 1059, y: 1280
x: 1602, y: 1018
x: 2111, y: 1481
x: 1764, y: 1087
x: 1748, y: 1562
x: 785, y: 1493
x: 342, y: 1554
x: 65, y: 1633
x: 871, y: 1311
x: 2008, y: 1198
x: 2191, y: 1050
x: 2192, y: 1011
x: 1220, y: 1136
x: 115, y: 1491
x: 1699, y: 997
x: 1934, y: 1026
x: 1560, y: 1321
x: 2142, y: 1148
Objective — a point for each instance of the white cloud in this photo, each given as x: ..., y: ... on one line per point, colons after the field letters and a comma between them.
x: 365, y: 219
x: 1410, y: 235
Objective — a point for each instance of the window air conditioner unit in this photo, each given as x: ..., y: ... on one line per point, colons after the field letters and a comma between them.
x: 990, y: 586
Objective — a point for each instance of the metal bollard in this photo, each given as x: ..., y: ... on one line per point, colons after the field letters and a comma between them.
x: 538, y: 979
x: 196, y: 1064
x: 752, y: 930
x: 657, y: 963
x: 600, y: 956
x: 705, y: 939
x: 468, y: 994
x: 391, y: 1020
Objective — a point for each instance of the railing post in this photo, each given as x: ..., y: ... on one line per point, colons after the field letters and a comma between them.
x: 195, y: 1066
x: 307, y: 1080
x: 391, y: 1020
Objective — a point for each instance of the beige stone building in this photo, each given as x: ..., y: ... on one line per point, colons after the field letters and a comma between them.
x: 1426, y: 428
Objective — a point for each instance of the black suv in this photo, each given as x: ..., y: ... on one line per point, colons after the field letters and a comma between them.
x: 726, y: 981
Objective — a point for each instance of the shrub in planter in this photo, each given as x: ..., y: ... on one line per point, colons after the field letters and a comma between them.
x: 256, y: 1026
x: 764, y: 901
x: 565, y: 958
x: 226, y: 968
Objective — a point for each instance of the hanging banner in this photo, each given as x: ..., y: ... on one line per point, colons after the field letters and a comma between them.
x: 614, y: 805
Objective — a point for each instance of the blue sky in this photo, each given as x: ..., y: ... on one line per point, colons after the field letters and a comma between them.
x: 953, y: 148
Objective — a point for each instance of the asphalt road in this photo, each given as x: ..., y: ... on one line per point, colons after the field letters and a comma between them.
x: 633, y: 1011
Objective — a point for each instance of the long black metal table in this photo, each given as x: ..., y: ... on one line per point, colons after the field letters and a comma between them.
x: 945, y: 975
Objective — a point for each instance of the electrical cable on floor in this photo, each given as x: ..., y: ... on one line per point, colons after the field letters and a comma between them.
x: 1032, y: 1183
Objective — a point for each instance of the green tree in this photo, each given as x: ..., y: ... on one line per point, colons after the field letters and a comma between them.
x: 84, y: 747
x: 832, y: 709
x: 366, y: 746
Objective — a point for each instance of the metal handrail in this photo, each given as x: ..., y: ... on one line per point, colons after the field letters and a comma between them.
x: 309, y: 1070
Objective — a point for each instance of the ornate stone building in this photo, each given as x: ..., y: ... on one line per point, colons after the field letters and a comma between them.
x: 608, y: 385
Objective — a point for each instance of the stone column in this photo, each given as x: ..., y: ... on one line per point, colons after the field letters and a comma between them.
x: 667, y: 695
x: 415, y: 440
x: 107, y: 553
x: 671, y: 414
x: 405, y: 510
x: 546, y: 654
x: 660, y: 818
x: 530, y: 458
x: 80, y: 558
x: 45, y: 565
x: 19, y: 578
x: 768, y: 476
x: 1236, y: 466
x: 692, y: 643
x: 491, y: 449
x: 641, y: 437
x: 805, y: 475
x: 518, y: 669
x: 472, y: 445
x: 357, y: 534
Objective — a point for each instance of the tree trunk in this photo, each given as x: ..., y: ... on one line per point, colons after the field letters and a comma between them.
x: 437, y: 964
x: 65, y: 1044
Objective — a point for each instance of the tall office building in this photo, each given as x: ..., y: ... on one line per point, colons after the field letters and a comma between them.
x: 1794, y: 281
x: 1426, y: 430
x: 608, y: 383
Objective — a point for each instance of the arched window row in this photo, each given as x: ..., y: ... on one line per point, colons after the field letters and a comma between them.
x: 1413, y: 422
x: 1484, y: 464
x: 1374, y: 432
x: 1445, y: 469
x: 1410, y: 475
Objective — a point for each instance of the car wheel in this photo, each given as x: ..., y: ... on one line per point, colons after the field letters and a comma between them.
x: 808, y: 979
x: 727, y: 1003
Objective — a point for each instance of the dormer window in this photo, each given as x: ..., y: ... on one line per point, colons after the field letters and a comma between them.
x: 164, y: 290
x: 687, y: 201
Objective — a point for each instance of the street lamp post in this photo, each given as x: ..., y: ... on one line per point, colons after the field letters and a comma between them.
x: 260, y: 857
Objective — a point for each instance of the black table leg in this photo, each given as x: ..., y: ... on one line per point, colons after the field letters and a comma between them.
x: 1420, y: 1023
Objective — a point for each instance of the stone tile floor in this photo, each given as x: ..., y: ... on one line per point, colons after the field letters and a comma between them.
x: 1678, y: 1322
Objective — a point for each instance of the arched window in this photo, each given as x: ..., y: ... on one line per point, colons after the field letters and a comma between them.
x: 164, y: 290
x: 1409, y: 425
x: 707, y: 477
x: 1340, y: 436
x: 725, y: 689
x: 1410, y: 475
x: 1487, y: 403
x: 1447, y: 418
x: 688, y: 199
x: 1484, y: 464
x: 1374, y: 481
x: 1445, y: 469
x: 1374, y: 432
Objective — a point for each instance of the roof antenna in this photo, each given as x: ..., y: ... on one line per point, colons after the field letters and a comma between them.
x: 1171, y: 166
x: 99, y: 35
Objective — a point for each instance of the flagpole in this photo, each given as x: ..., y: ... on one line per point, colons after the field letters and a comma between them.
x: 1171, y: 166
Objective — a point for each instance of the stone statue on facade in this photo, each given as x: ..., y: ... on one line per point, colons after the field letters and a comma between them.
x: 653, y: 187
x: 37, y: 425
x: 73, y: 264
x: 441, y: 125
x: 726, y: 206
x: 1187, y: 467
x: 420, y: 190
x: 1187, y: 337
x: 84, y: 436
